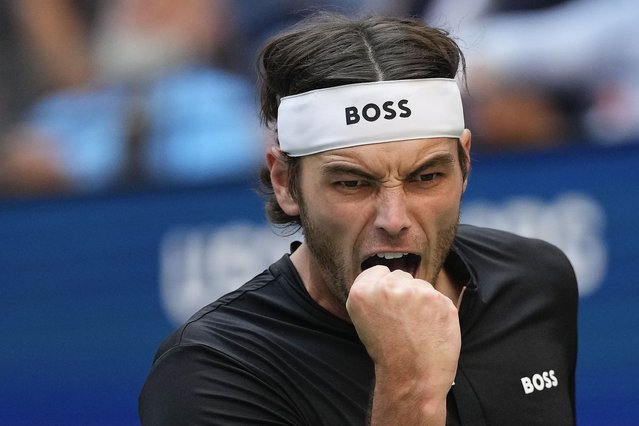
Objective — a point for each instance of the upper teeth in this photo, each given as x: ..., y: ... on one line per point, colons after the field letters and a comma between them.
x: 391, y: 255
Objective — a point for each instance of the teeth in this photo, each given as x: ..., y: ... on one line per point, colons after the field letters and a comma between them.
x: 391, y: 255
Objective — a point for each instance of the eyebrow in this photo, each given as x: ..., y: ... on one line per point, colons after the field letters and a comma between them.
x: 335, y: 169
x: 437, y: 160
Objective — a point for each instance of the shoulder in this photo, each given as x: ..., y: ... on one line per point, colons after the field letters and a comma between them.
x: 196, y: 384
x: 222, y: 344
x: 503, y: 245
x: 493, y: 253
x: 476, y: 235
x: 256, y: 319
x: 232, y: 311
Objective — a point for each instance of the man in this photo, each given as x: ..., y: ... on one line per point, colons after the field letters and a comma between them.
x: 388, y: 313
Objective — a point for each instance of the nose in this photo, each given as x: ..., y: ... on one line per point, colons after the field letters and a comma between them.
x: 392, y: 211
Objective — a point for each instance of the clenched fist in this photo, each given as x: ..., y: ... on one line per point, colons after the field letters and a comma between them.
x: 412, y: 333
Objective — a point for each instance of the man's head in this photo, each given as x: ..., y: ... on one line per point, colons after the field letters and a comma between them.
x: 331, y: 50
x: 359, y: 200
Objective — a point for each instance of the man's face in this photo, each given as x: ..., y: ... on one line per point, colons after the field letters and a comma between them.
x: 395, y: 203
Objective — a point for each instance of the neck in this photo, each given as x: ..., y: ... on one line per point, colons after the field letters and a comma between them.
x: 315, y: 284
x: 447, y: 286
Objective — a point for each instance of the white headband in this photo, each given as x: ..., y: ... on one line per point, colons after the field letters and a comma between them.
x: 368, y: 113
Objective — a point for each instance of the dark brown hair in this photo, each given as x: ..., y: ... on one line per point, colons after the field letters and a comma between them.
x: 328, y: 50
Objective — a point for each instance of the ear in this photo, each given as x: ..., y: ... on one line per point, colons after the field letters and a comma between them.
x: 279, y: 178
x: 465, y: 141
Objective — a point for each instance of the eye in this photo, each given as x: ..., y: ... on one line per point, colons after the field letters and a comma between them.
x: 427, y: 177
x: 350, y: 183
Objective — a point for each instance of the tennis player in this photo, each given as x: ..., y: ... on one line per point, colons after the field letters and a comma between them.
x: 388, y: 312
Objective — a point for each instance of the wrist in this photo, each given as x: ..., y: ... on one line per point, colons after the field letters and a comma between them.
x: 414, y: 398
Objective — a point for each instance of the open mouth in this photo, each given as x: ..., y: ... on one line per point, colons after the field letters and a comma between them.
x: 407, y: 262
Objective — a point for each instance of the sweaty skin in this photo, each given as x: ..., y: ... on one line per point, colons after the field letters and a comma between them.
x: 398, y: 197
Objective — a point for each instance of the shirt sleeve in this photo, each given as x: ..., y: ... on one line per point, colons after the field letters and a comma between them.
x: 196, y: 385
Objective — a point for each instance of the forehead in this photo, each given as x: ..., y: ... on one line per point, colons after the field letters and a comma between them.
x: 388, y: 155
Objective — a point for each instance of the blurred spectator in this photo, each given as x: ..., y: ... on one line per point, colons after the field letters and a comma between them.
x: 42, y: 48
x: 29, y: 165
x: 156, y: 106
x: 582, y: 54
x: 40, y: 53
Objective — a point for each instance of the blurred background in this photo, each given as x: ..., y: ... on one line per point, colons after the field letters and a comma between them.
x: 129, y: 149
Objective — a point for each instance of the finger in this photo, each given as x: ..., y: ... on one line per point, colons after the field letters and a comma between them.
x: 373, y: 273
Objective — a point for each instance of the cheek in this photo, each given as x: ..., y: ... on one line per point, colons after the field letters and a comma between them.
x: 439, y: 213
x: 339, y: 218
x: 450, y: 209
x: 330, y: 210
x: 338, y: 222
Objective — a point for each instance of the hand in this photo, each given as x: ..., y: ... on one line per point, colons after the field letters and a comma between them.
x: 410, y: 330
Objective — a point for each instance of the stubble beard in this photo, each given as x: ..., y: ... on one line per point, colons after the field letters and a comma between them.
x: 331, y: 261
x: 442, y: 247
x: 328, y: 256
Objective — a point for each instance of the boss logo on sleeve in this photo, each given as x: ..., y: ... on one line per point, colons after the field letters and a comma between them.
x: 539, y: 382
x: 372, y: 112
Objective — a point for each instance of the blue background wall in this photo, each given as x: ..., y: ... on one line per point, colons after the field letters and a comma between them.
x: 90, y: 286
